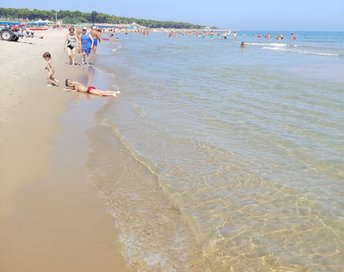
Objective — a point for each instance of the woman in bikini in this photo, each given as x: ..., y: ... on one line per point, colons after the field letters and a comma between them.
x: 74, y: 86
x: 70, y: 45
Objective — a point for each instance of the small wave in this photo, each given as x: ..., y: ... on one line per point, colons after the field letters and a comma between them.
x: 277, y: 48
x: 270, y: 44
x: 139, y: 218
x: 325, y: 54
x: 301, y: 51
x: 280, y: 44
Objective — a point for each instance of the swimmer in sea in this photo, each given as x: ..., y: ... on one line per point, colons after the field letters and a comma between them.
x: 74, y: 86
x: 292, y: 36
x: 235, y: 35
x: 243, y: 44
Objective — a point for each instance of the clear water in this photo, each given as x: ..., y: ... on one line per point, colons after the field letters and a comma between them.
x: 235, y: 157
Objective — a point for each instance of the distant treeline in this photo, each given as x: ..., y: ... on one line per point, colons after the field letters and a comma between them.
x: 77, y: 17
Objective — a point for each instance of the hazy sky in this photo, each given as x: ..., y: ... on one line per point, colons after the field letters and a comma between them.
x: 239, y: 15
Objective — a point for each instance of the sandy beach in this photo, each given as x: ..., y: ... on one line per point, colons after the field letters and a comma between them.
x: 51, y: 218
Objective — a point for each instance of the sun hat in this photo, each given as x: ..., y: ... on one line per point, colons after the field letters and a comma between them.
x: 84, y: 28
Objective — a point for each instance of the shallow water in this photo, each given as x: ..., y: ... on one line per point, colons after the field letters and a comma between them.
x: 217, y: 158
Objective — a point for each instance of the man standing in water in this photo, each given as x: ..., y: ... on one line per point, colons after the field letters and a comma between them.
x: 95, y: 34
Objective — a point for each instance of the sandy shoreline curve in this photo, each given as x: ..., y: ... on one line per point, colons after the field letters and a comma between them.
x: 51, y: 218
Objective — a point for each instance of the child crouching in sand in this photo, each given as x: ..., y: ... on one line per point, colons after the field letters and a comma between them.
x: 74, y: 86
x: 51, y: 80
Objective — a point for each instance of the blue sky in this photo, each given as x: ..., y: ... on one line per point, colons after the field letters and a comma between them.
x: 239, y: 15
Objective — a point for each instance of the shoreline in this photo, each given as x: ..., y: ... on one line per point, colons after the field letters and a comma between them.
x: 155, y: 233
x: 51, y: 217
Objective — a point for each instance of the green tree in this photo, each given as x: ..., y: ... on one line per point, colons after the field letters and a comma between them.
x: 93, y: 17
x: 75, y: 17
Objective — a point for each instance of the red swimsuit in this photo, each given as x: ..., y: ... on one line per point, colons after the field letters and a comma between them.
x: 89, y: 88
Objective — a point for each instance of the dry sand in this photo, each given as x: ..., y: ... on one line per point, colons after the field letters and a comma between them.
x: 51, y: 218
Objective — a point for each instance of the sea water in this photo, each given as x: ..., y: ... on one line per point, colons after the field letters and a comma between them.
x: 221, y: 158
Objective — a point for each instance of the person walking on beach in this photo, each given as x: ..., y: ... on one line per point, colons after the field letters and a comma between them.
x: 74, y: 86
x: 71, y: 44
x: 95, y: 34
x: 50, y: 79
x: 86, y: 45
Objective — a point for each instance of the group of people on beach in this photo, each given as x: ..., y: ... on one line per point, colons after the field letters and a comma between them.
x: 81, y: 41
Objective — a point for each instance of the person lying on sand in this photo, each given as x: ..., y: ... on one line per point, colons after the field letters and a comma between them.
x: 74, y: 86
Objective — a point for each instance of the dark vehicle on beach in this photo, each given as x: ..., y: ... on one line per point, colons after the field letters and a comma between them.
x: 8, y: 34
x: 13, y: 33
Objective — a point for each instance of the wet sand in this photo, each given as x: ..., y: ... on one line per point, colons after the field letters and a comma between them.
x: 51, y: 217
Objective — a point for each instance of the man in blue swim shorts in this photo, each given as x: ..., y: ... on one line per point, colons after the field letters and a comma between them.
x: 86, y: 46
x: 95, y: 34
